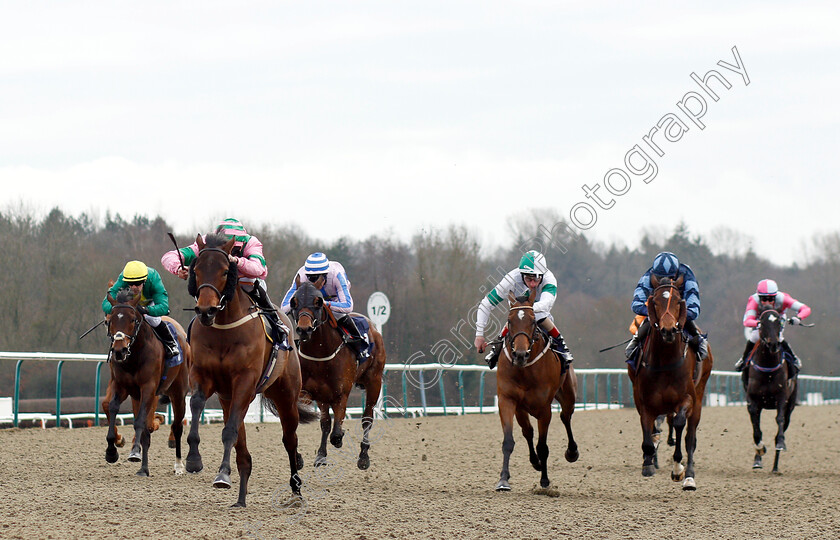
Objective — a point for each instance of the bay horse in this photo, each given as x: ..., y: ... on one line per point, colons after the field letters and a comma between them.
x: 329, y: 370
x: 669, y: 380
x: 136, y: 358
x: 768, y: 384
x: 528, y: 379
x: 232, y: 357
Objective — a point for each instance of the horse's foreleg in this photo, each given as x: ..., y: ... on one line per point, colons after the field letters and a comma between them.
x: 542, y: 446
x: 243, y: 465
x: 142, y: 433
x: 679, y: 422
x: 286, y: 402
x: 177, y: 430
x: 691, y: 445
x: 528, y: 432
x: 339, y: 411
x: 755, y: 418
x: 113, y: 408
x: 506, y: 411
x: 781, y: 406
x: 234, y: 411
x: 197, y: 402
x: 372, y: 388
x: 648, y: 446
x: 326, y: 425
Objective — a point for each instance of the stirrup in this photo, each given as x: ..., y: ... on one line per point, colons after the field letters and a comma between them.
x: 492, y: 358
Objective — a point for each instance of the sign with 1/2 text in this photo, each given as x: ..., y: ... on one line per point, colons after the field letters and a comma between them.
x: 378, y: 308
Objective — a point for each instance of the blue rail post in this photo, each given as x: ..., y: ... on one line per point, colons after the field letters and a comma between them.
x: 597, y: 394
x: 385, y: 397
x: 96, y: 394
x: 17, y: 390
x: 584, y: 391
x: 422, y: 390
x: 405, y: 394
x: 442, y: 393
x: 58, y: 393
x: 481, y: 392
x: 461, y: 389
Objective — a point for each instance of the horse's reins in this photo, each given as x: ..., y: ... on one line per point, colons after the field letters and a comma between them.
x: 316, y: 323
x: 668, y: 305
x: 764, y: 341
x: 675, y: 365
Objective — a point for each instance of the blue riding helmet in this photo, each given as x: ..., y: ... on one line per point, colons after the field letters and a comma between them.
x: 665, y: 264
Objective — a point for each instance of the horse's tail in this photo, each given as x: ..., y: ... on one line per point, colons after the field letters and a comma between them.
x: 307, y: 413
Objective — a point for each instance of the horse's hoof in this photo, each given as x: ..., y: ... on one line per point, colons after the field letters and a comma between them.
x: 337, y: 441
x: 364, y: 463
x: 761, y: 451
x: 222, y: 481
x: 320, y: 460
x: 112, y: 456
x: 142, y: 472
x: 238, y: 504
x: 544, y: 483
x: 135, y: 457
x: 689, y: 484
x: 677, y: 477
x: 502, y: 486
x: 758, y: 465
x: 171, y: 444
x: 572, y: 455
x: 648, y: 470
x: 299, y: 461
x: 179, y: 468
x: 781, y: 447
x: 194, y: 465
x: 120, y: 442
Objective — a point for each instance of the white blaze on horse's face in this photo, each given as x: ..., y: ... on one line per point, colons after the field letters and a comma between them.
x: 666, y: 295
x: 521, y: 315
x: 119, y: 315
x: 771, y: 318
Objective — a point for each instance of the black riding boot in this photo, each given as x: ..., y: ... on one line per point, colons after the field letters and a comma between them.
x: 742, y: 362
x: 492, y: 358
x: 635, y: 342
x: 698, y: 341
x: 354, y: 338
x: 279, y: 330
x: 796, y: 362
x: 558, y: 345
x: 169, y: 343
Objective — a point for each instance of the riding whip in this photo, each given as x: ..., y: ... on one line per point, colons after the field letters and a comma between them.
x: 177, y: 249
x: 92, y: 328
x: 625, y: 342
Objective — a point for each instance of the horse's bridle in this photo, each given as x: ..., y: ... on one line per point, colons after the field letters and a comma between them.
x: 766, y: 344
x: 531, y: 337
x: 223, y: 300
x: 310, y: 312
x: 138, y: 322
x: 668, y: 305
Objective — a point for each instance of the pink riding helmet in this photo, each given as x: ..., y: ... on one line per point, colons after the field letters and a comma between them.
x: 767, y: 287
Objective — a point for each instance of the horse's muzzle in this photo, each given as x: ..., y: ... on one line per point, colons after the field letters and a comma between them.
x: 304, y: 333
x: 520, y: 358
x: 206, y: 316
x: 668, y: 335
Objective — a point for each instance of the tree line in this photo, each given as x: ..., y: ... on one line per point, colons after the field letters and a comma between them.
x: 55, y: 271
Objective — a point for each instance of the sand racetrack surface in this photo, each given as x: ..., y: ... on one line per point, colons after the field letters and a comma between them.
x: 433, y: 478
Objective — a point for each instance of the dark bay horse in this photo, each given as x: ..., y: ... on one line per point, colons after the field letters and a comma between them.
x: 137, y: 361
x: 768, y: 384
x: 329, y: 370
x: 669, y: 380
x: 528, y: 379
x: 232, y: 357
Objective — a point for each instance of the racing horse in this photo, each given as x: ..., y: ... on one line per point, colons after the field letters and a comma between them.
x: 768, y: 384
x: 136, y: 358
x: 529, y: 378
x: 669, y: 379
x: 233, y: 357
x: 329, y: 370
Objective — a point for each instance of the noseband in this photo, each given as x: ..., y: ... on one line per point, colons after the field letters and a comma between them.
x: 138, y: 322
x: 311, y: 313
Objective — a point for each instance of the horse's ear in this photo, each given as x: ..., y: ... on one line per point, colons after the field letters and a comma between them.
x: 297, y: 280
x: 651, y: 305
x: 319, y: 301
x: 683, y: 313
x: 110, y: 299
x: 229, y: 245
x: 511, y: 297
x: 654, y: 281
x: 293, y: 303
x: 532, y: 298
x: 680, y: 281
x: 200, y: 241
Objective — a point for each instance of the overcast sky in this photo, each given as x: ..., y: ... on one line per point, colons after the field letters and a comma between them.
x: 362, y: 118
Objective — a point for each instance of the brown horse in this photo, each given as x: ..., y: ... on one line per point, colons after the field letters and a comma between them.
x: 529, y: 378
x: 329, y: 368
x: 137, y: 359
x: 232, y: 356
x: 669, y: 380
x: 768, y: 385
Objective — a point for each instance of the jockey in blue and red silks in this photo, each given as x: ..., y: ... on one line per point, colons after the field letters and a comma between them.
x: 666, y: 264
x: 767, y: 294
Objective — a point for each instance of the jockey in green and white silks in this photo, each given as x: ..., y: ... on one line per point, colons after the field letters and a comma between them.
x: 532, y: 274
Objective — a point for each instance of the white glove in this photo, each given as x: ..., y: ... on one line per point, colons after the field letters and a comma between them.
x: 795, y: 320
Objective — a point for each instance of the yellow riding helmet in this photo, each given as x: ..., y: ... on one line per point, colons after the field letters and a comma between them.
x: 135, y: 271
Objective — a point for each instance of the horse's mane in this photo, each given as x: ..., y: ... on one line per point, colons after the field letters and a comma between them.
x: 522, y: 298
x: 124, y: 296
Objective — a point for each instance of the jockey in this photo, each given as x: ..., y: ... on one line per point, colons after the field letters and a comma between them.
x: 767, y: 294
x: 532, y: 274
x: 666, y: 264
x: 154, y: 300
x: 331, y: 279
x: 247, y: 254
